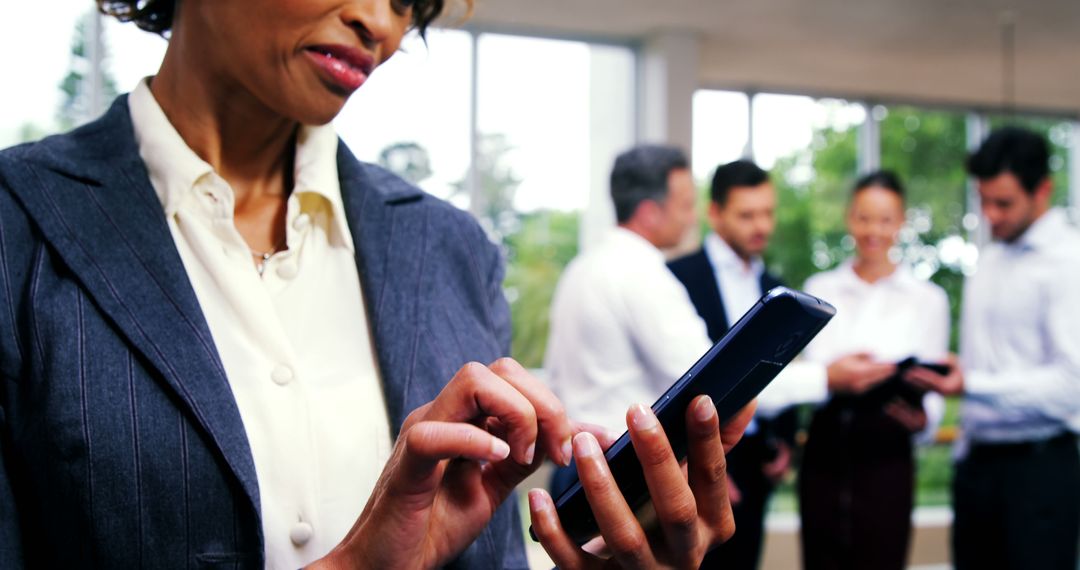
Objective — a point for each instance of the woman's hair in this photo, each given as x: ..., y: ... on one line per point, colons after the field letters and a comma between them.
x: 157, y: 15
x: 886, y: 179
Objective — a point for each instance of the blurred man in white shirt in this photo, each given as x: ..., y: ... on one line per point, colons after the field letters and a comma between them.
x: 1016, y: 490
x: 622, y: 327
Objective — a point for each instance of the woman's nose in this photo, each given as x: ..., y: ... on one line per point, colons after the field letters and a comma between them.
x: 375, y: 20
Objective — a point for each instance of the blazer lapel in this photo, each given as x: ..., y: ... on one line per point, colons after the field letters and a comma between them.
x: 390, y: 242
x: 97, y: 209
x: 712, y: 301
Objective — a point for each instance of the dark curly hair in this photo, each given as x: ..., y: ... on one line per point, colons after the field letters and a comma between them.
x: 157, y: 15
x: 1021, y: 152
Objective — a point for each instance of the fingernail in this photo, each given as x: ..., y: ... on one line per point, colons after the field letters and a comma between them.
x: 642, y: 418
x: 530, y: 453
x: 585, y: 445
x: 536, y: 500
x: 704, y: 410
x: 567, y: 452
x: 499, y: 449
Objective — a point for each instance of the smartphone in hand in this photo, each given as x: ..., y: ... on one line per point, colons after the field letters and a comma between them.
x: 732, y: 373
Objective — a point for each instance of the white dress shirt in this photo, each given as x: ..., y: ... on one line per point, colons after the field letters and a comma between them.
x: 622, y: 330
x: 739, y: 282
x: 891, y: 319
x: 1020, y: 343
x: 294, y: 342
x: 740, y: 287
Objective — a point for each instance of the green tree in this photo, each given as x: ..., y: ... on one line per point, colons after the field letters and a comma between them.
x: 537, y: 255
x: 537, y: 246
x: 496, y: 186
x: 75, y: 105
x: 30, y: 132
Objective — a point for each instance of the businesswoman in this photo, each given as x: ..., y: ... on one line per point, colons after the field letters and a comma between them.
x: 856, y: 485
x: 226, y: 342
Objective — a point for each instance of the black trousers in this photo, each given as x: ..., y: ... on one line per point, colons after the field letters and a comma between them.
x: 856, y: 489
x: 745, y: 462
x: 1018, y: 506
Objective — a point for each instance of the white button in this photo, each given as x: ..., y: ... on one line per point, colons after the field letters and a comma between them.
x: 300, y: 533
x: 282, y: 375
x: 301, y: 222
x: 287, y: 270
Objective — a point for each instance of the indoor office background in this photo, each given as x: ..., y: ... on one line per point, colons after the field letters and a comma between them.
x: 517, y: 115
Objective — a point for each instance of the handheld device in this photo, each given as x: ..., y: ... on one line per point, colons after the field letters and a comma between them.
x: 732, y: 373
x: 912, y: 362
x: 897, y: 387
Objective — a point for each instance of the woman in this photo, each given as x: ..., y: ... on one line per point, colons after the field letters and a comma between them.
x: 857, y: 478
x: 226, y: 342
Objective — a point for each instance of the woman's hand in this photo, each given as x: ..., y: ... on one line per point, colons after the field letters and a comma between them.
x: 912, y: 418
x: 457, y: 458
x: 857, y: 373
x: 949, y: 384
x: 691, y: 504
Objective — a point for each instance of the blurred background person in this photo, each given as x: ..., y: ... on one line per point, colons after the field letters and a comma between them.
x: 724, y: 279
x: 622, y: 327
x: 856, y: 484
x: 1016, y: 488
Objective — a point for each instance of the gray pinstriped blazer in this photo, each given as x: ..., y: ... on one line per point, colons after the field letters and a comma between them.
x: 120, y: 442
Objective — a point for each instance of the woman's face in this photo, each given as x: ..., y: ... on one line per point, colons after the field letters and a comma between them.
x: 874, y: 219
x: 300, y: 58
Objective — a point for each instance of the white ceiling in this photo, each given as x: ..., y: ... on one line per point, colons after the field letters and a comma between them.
x: 933, y: 51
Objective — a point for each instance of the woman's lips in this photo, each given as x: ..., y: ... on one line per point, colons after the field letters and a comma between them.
x: 347, y: 68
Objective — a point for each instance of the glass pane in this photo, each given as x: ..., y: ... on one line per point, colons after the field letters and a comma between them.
x: 33, y: 101
x: 546, y: 145
x: 412, y: 116
x: 810, y: 147
x: 133, y: 53
x: 721, y: 125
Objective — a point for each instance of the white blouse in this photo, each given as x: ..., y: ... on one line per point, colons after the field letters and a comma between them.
x: 894, y: 318
x: 294, y: 341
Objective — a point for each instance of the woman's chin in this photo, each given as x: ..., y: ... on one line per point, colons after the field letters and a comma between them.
x: 318, y: 114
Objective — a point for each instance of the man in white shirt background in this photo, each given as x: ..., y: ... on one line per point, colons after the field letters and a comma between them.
x: 622, y: 327
x: 724, y: 279
x: 1016, y: 489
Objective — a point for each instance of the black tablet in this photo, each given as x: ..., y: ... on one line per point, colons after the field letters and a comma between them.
x: 732, y: 373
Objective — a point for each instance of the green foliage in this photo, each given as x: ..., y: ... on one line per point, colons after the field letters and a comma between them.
x: 497, y: 183
x: 811, y: 188
x: 537, y: 255
x: 73, y: 107
x: 538, y: 245
x: 31, y: 132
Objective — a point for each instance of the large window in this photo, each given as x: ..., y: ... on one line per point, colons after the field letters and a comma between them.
x: 413, y: 114
x: 810, y: 147
x: 545, y: 148
x: 530, y: 164
x: 721, y: 130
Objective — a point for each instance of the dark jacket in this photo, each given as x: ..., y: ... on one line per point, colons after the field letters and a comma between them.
x: 120, y: 441
x: 697, y: 275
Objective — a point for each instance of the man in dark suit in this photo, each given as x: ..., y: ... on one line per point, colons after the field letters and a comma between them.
x: 724, y: 278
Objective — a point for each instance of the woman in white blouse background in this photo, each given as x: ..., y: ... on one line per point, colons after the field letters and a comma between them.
x: 856, y: 485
